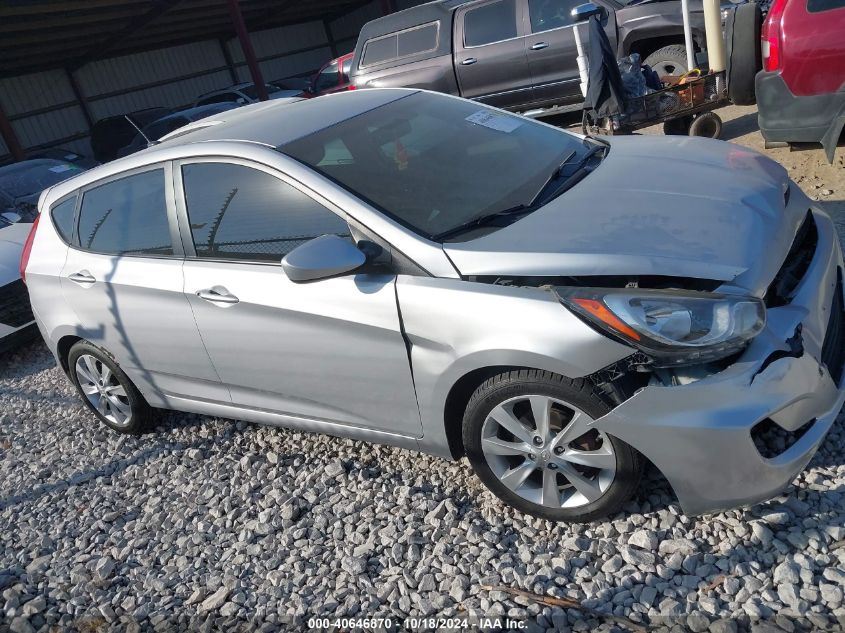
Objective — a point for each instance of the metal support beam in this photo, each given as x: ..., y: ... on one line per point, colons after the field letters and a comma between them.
x: 330, y: 38
x: 227, y: 57
x: 80, y: 98
x: 388, y: 7
x: 9, y: 136
x: 281, y: 7
x: 248, y: 51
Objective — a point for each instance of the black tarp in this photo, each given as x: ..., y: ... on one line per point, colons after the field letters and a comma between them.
x: 605, y: 94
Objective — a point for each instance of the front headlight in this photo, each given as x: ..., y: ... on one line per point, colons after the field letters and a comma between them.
x: 673, y: 327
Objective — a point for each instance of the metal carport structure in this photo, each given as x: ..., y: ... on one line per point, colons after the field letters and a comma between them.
x: 66, y: 63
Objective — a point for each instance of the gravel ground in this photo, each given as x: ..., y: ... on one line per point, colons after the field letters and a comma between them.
x: 209, y: 523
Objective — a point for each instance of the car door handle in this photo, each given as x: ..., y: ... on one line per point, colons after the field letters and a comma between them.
x: 82, y: 277
x: 217, y: 294
x: 539, y: 46
x: 469, y: 61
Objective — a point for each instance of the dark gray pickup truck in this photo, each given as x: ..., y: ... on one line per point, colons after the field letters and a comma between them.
x: 514, y: 54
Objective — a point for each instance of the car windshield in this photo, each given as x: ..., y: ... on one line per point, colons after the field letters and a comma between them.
x: 252, y: 92
x: 31, y: 177
x: 434, y: 163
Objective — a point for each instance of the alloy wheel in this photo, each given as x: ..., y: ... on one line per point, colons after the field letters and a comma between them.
x: 103, y: 390
x: 547, y: 452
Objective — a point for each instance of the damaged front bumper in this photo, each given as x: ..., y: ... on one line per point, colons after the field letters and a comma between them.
x: 700, y: 434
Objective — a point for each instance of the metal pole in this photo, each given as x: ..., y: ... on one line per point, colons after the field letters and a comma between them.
x: 9, y: 136
x: 713, y: 33
x: 583, y: 62
x: 80, y: 98
x: 387, y: 7
x: 327, y: 27
x: 227, y: 57
x: 246, y: 47
x: 688, y: 35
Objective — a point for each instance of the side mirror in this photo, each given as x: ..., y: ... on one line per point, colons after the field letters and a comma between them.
x: 240, y: 101
x: 586, y: 11
x: 323, y: 257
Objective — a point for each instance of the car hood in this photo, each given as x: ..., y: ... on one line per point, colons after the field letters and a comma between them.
x: 655, y: 206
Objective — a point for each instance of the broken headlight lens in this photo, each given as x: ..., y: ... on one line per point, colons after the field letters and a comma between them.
x: 673, y: 327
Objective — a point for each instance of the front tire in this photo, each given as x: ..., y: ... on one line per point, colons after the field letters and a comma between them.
x: 530, y: 438
x: 107, y: 391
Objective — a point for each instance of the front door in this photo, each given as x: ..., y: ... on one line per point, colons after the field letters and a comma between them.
x: 551, y: 50
x: 328, y: 350
x: 490, y: 57
x: 123, y: 280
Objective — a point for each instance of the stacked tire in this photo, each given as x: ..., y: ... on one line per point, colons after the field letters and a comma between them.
x: 743, y: 55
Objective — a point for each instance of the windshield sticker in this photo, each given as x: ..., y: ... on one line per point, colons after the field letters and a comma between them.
x: 494, y: 120
x: 60, y: 169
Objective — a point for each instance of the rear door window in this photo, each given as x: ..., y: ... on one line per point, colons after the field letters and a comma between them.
x: 241, y: 213
x: 127, y: 217
x: 817, y: 6
x: 490, y: 23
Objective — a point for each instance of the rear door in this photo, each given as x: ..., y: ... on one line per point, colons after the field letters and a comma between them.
x: 123, y: 279
x: 551, y: 50
x: 490, y: 56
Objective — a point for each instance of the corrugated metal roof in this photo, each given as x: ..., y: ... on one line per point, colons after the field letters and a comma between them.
x: 42, y: 34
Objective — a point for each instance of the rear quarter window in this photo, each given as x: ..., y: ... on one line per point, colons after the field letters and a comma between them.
x: 63, y: 214
x: 419, y: 39
x: 817, y: 6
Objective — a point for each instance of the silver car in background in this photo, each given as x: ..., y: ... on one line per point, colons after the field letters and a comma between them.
x: 419, y: 270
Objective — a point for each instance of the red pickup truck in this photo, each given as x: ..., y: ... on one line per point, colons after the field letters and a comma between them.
x: 801, y: 89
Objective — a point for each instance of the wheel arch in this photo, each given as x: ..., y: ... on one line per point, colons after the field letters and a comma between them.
x: 63, y: 349
x: 458, y: 398
x: 648, y: 44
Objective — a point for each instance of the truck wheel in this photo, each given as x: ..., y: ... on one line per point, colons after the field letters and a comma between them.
x: 677, y: 127
x: 707, y: 125
x: 743, y: 55
x: 669, y: 60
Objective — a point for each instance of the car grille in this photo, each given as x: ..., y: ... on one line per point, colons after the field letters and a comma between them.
x: 795, y: 265
x: 833, y: 350
x: 15, y: 310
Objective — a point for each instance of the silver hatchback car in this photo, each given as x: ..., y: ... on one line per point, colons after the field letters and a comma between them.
x: 419, y: 270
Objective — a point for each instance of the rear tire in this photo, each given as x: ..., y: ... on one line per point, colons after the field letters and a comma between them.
x: 560, y: 469
x: 677, y: 127
x: 669, y: 60
x: 107, y: 391
x: 706, y: 125
x: 743, y: 53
